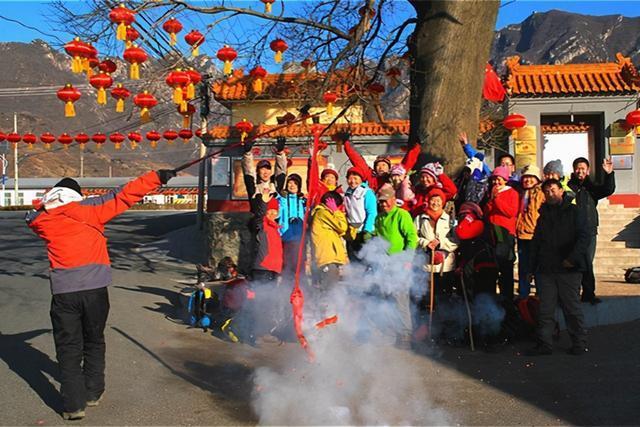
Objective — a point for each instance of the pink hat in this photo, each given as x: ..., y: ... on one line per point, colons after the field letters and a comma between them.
x: 502, y: 172
x: 429, y: 169
x: 398, y: 170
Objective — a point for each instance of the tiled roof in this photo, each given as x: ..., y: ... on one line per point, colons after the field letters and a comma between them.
x: 391, y: 127
x: 609, y: 78
x: 239, y: 87
x: 97, y: 191
x: 571, y: 128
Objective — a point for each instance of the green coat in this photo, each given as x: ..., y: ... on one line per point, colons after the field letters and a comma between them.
x: 397, y: 228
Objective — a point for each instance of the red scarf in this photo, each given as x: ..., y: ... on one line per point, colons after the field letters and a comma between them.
x: 433, y: 216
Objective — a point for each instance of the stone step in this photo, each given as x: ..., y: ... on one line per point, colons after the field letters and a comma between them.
x: 609, y: 245
x: 619, y: 261
x: 628, y: 244
x: 617, y: 222
x: 610, y: 271
x: 622, y: 213
x: 606, y: 253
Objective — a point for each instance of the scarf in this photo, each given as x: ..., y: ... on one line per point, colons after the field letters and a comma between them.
x: 433, y: 216
x: 59, y: 196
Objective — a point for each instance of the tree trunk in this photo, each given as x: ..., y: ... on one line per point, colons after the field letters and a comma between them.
x: 450, y: 47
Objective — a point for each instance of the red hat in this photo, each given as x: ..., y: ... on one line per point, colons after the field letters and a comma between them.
x: 355, y: 170
x: 382, y: 158
x: 437, y: 192
x: 329, y: 171
x: 470, y: 207
x: 273, y: 204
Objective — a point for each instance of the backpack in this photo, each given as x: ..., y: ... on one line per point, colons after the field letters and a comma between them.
x: 200, y: 308
x: 632, y: 275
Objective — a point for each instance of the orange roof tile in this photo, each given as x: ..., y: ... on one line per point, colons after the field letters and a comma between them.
x: 564, y: 128
x: 607, y: 78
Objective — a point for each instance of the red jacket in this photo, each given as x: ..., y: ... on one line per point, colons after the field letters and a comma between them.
x: 269, y: 255
x: 503, y: 210
x: 74, y: 234
x: 448, y: 187
x: 375, y: 182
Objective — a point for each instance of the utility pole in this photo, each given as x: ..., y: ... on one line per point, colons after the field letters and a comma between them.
x: 81, y: 163
x: 15, y: 161
x: 5, y: 163
x: 204, y: 112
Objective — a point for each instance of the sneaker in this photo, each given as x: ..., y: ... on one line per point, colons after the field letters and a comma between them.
x: 94, y: 402
x: 577, y: 350
x: 70, y: 416
x: 539, y: 350
x: 226, y: 329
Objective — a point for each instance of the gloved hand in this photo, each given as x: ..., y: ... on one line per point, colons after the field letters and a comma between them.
x: 248, y: 145
x: 342, y: 136
x: 331, y: 204
x: 438, y: 168
x: 366, y: 236
x: 165, y: 175
x: 280, y: 143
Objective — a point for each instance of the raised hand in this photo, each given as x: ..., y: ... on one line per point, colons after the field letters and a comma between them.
x: 462, y: 138
x: 607, y: 165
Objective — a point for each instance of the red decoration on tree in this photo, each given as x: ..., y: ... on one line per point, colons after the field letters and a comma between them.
x: 307, y: 64
x: 514, y: 121
x: 492, y: 89
x: 178, y: 80
x: 107, y: 66
x: 123, y: 17
x: 65, y: 139
x: 329, y: 98
x: 135, y: 138
x: 170, y: 135
x: 99, y: 139
x: 145, y: 101
x: 78, y: 50
x: 14, y: 138
x: 393, y: 74
x: 227, y: 54
x: 120, y: 93
x: 267, y: 5
x: 244, y: 127
x: 47, y: 139
x: 68, y: 94
x: 82, y: 139
x: 29, y: 139
x: 153, y: 137
x: 194, y: 79
x: 376, y: 89
x: 117, y: 138
x: 633, y: 120
x: 278, y: 46
x: 132, y: 36
x: 101, y: 82
x: 135, y: 56
x: 173, y: 27
x: 194, y: 39
x: 185, y: 134
x: 186, y: 115
x: 258, y: 74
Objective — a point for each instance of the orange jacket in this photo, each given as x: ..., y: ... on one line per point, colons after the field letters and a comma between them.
x: 74, y: 234
x: 528, y: 218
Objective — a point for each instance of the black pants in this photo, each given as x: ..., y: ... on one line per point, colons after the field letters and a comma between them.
x: 78, y: 320
x: 588, y: 278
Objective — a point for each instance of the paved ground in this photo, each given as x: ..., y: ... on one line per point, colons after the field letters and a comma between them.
x: 162, y: 373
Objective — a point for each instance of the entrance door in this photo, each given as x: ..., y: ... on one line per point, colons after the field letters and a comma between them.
x: 566, y: 147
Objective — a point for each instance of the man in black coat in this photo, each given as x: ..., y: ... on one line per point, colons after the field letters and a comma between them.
x: 558, y: 259
x: 587, y: 195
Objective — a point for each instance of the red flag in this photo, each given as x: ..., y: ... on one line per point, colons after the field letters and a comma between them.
x: 492, y: 89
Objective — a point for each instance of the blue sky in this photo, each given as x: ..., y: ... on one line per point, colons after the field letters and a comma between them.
x: 33, y: 13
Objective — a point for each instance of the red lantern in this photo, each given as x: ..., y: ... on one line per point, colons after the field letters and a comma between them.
x: 91, y: 60
x: 633, y: 120
x: 134, y: 56
x: 227, y: 54
x: 393, y: 74
x: 107, y: 66
x: 66, y: 140
x: 99, y: 139
x: 14, y: 138
x: 307, y: 64
x: 47, y: 139
x: 101, y: 82
x: 170, y: 135
x: 267, y: 5
x: 278, y: 46
x: 153, y: 138
x: 82, y: 139
x: 3, y: 136
x: 135, y: 138
x: 376, y: 89
x: 194, y: 39
x: 91, y: 64
x: 68, y: 94
x: 194, y: 79
x: 145, y: 101
x: 117, y: 138
x: 120, y: 93
x: 329, y: 98
x: 244, y: 127
x: 78, y: 50
x: 514, y: 121
x: 132, y: 36
x: 173, y: 27
x: 185, y: 134
x: 123, y: 17
x: 178, y: 80
x: 258, y: 74
x: 29, y: 139
x: 186, y: 115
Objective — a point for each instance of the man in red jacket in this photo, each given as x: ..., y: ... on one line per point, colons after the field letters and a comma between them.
x: 80, y: 271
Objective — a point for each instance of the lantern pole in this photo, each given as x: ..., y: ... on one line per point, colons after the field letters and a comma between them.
x: 15, y: 161
x: 81, y: 163
x: 204, y: 112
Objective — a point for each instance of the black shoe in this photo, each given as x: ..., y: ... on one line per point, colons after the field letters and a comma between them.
x: 593, y: 300
x: 577, y: 350
x: 75, y: 415
x: 539, y: 350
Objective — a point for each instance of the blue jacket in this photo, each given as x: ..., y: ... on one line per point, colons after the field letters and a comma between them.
x: 472, y: 152
x: 362, y: 210
x: 292, y: 209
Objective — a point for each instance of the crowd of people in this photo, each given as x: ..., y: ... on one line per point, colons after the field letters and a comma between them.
x: 470, y: 231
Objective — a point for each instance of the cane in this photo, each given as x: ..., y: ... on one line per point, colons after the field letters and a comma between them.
x: 466, y: 302
x: 431, y: 289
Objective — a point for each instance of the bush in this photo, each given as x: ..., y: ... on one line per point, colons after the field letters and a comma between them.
x: 16, y: 208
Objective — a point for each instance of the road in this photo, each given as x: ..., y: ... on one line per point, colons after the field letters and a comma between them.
x: 160, y: 372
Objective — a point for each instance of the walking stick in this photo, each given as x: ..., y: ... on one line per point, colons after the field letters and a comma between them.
x: 431, y: 289
x: 466, y: 302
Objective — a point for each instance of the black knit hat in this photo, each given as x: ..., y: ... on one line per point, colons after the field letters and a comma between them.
x: 69, y: 183
x: 297, y: 179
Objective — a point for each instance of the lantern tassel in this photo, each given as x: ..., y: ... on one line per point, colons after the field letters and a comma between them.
x: 121, y: 32
x: 186, y: 122
x: 185, y: 141
x: 172, y: 39
x: 177, y: 95
x: 257, y: 86
x: 154, y: 144
x: 99, y: 146
x: 134, y: 71
x: 134, y: 145
x: 227, y: 68
x: 69, y: 109
x: 82, y: 146
x: 89, y: 73
x: 278, y: 57
x: 195, y: 51
x: 117, y: 145
x: 170, y: 141
x: 191, y: 91
x: 183, y: 106
x: 85, y: 64
x: 47, y: 146
x: 30, y: 147
x: 145, y: 115
x: 76, y: 65
x: 102, y: 96
x: 66, y: 146
x: 128, y: 44
x: 330, y: 109
x: 267, y: 8
x: 243, y: 135
x: 120, y: 106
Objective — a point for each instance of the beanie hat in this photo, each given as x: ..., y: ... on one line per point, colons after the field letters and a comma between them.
x: 356, y: 171
x: 273, y: 204
x: 531, y: 170
x: 382, y: 158
x: 436, y: 192
x: 398, y: 170
x: 297, y: 179
x: 329, y: 171
x: 430, y: 170
x: 69, y: 183
x: 554, y: 166
x: 263, y: 164
x: 502, y: 171
x: 470, y: 207
x: 386, y: 192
